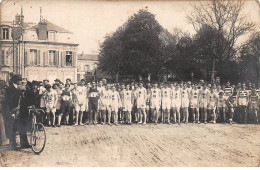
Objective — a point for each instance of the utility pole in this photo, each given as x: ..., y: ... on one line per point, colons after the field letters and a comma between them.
x: 13, y: 47
x: 17, y: 30
x: 213, y: 72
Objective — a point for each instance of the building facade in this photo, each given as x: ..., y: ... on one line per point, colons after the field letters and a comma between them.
x: 86, y: 66
x: 37, y: 51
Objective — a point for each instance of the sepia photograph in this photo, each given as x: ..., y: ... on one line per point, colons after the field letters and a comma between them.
x: 121, y: 83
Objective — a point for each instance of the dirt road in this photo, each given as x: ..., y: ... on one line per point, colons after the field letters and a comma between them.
x: 150, y: 145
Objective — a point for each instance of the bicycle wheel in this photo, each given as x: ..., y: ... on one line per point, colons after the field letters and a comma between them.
x: 38, y: 138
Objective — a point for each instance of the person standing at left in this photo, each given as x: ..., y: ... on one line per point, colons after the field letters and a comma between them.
x: 16, y: 114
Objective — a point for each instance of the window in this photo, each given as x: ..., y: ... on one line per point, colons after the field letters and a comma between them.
x: 51, y: 57
x: 51, y: 36
x: 33, y: 57
x: 3, y: 57
x: 86, y: 68
x: 7, y: 58
x: 5, y: 34
x: 68, y: 58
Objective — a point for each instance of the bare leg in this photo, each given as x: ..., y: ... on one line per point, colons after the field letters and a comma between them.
x: 187, y: 114
x: 53, y: 118
x: 144, y: 114
x: 168, y: 116
x: 77, y: 118
x: 108, y: 117
x: 178, y: 115
x: 80, y: 117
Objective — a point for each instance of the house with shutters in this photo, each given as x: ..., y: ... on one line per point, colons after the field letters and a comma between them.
x: 41, y: 51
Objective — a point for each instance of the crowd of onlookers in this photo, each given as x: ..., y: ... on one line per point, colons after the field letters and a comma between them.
x: 87, y: 103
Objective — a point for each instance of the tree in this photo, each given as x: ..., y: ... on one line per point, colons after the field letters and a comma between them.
x: 136, y: 48
x: 250, y: 59
x: 227, y: 18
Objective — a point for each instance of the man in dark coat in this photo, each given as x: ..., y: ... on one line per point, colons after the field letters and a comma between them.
x: 15, y: 112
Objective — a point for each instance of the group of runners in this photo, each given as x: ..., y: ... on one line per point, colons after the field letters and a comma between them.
x: 171, y: 102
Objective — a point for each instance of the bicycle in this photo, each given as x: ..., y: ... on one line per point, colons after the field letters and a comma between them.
x: 37, y: 134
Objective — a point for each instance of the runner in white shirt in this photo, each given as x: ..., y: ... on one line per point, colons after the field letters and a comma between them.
x: 155, y: 99
x: 141, y: 103
x: 42, y: 92
x: 212, y: 104
x: 59, y: 91
x: 80, y: 94
x: 185, y: 103
x: 127, y: 103
x: 203, y: 101
x: 100, y: 89
x: 194, y: 104
x: 176, y: 103
x: 115, y: 104
x: 222, y: 106
x: 166, y: 103
x: 51, y: 99
x: 105, y: 105
x: 242, y: 101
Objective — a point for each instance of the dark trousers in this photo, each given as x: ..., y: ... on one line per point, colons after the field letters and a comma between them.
x: 93, y: 108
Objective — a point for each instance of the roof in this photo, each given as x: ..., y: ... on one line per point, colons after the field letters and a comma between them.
x: 53, y: 27
x: 50, y: 26
x: 91, y: 57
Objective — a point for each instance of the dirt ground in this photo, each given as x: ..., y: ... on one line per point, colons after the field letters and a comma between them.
x: 150, y: 145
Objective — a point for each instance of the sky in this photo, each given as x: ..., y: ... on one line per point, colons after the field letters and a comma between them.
x: 91, y: 21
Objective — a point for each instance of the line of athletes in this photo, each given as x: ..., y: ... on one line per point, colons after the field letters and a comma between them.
x: 158, y: 103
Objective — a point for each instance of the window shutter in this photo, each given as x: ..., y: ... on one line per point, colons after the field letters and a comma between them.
x: 56, y: 58
x: 2, y: 60
x: 38, y: 57
x: 63, y: 59
x: 74, y: 57
x: 28, y: 55
x: 7, y: 58
x: 47, y: 58
x: 25, y: 58
x: 44, y: 59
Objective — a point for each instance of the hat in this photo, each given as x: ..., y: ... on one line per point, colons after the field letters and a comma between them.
x: 17, y: 77
x: 221, y: 91
x: 35, y: 82
x: 57, y: 80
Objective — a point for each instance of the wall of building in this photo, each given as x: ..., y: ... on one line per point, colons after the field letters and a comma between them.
x: 50, y: 73
x: 81, y: 68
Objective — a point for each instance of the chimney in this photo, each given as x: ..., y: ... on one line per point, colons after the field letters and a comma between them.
x: 42, y: 29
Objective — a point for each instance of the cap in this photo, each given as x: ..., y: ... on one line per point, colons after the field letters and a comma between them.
x: 48, y: 86
x: 221, y: 91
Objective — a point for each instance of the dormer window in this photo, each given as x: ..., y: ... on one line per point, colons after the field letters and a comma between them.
x: 51, y: 35
x: 5, y: 33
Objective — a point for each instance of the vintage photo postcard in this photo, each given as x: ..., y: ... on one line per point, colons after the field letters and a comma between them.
x: 120, y: 83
